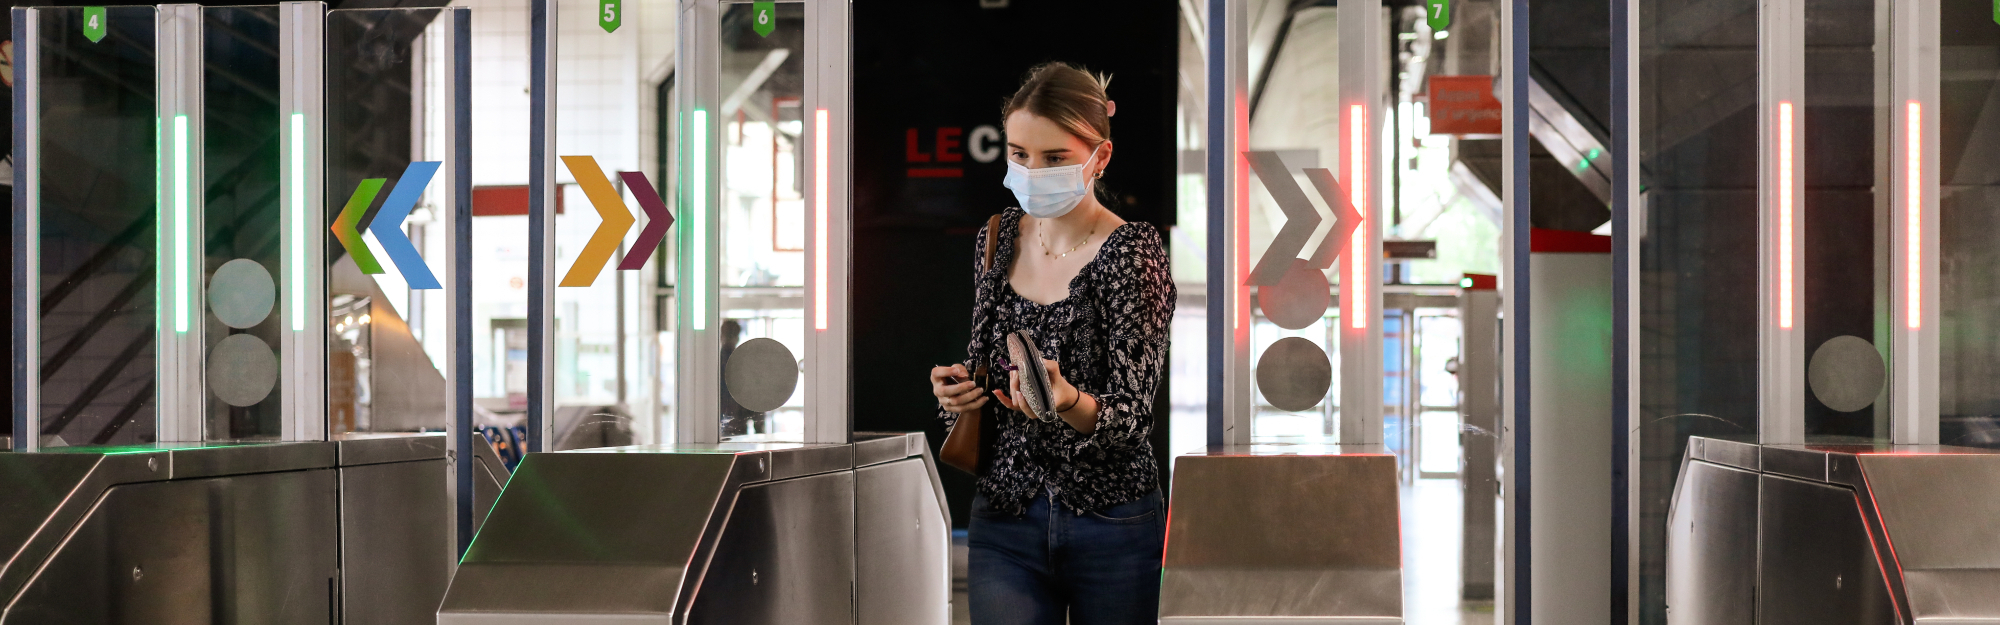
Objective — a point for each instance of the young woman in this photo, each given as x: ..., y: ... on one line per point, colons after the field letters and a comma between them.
x: 1068, y: 522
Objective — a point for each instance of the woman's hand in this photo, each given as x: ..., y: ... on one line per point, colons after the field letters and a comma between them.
x: 954, y: 395
x: 1075, y: 408
x: 1064, y: 393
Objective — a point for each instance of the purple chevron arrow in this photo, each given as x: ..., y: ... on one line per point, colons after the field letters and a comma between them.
x: 657, y: 220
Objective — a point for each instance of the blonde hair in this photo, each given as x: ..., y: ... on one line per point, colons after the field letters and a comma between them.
x: 1067, y: 95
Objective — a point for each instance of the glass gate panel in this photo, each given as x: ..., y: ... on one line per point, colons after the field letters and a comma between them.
x: 1844, y: 218
x: 761, y: 71
x: 1295, y: 125
x: 241, y: 123
x: 99, y: 289
x: 385, y: 194
x: 1697, y: 130
x: 1968, y: 170
x: 609, y: 230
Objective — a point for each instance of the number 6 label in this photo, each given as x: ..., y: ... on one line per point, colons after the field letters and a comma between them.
x: 609, y: 14
x: 766, y: 18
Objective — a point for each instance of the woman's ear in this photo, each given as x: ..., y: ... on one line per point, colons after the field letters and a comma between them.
x: 1103, y: 157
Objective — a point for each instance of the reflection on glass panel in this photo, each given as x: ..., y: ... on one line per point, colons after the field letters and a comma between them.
x: 240, y: 134
x: 380, y: 377
x: 1697, y: 128
x: 1969, y: 214
x: 763, y: 222
x: 98, y: 238
x: 1846, y: 258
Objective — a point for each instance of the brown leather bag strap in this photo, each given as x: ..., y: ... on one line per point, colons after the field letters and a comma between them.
x: 992, y: 238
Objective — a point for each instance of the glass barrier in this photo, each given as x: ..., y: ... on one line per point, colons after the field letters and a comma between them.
x: 99, y: 291
x: 1697, y: 317
x: 384, y: 370
x: 1846, y: 308
x: 1969, y: 214
x: 606, y: 346
x: 240, y: 133
x: 1297, y: 119
x: 762, y: 225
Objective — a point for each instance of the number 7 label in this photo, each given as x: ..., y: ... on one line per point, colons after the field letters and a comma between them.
x: 1439, y: 15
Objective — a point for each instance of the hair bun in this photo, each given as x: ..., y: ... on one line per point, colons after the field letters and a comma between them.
x: 1110, y: 108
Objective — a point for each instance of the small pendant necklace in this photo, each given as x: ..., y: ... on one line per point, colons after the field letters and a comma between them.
x: 1042, y: 235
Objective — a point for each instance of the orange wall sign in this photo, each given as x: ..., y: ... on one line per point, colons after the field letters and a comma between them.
x: 1464, y: 105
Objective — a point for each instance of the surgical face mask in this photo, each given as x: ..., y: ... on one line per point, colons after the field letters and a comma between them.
x: 1049, y: 192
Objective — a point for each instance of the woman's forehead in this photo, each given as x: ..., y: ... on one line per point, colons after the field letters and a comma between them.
x: 1032, y: 131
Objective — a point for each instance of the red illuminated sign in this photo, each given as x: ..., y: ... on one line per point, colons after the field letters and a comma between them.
x: 940, y: 152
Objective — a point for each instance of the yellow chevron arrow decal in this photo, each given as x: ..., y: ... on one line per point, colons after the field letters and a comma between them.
x: 610, y: 207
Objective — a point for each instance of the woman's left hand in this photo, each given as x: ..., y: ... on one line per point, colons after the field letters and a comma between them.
x: 1065, y: 394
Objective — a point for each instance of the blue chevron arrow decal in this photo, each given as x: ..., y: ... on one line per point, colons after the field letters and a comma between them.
x: 388, y: 225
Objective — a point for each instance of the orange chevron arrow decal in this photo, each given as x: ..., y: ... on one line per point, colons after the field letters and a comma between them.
x: 610, y: 207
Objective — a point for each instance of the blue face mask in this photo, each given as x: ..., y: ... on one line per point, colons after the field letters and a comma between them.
x: 1049, y: 192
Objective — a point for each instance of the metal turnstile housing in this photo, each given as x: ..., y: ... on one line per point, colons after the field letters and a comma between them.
x: 351, y: 531
x: 1779, y: 534
x: 1283, y: 533
x: 738, y: 533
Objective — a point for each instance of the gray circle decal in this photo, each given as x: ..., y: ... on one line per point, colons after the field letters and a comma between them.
x: 1298, y: 299
x: 1846, y: 373
x: 242, y: 370
x: 241, y: 293
x: 1294, y: 374
x: 761, y: 374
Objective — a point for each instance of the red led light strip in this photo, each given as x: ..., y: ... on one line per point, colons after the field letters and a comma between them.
x: 819, y: 219
x: 1357, y: 243
x: 1785, y: 215
x: 1913, y: 230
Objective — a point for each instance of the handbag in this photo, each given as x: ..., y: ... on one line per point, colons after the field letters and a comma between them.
x: 970, y: 449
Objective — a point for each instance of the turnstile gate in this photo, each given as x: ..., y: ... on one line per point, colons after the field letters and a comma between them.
x: 1833, y: 534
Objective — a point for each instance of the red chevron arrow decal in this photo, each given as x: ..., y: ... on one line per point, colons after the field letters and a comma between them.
x: 657, y: 220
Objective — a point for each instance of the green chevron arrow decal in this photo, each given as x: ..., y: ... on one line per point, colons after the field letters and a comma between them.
x: 343, y: 226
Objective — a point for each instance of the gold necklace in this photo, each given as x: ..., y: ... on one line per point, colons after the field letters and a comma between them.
x: 1042, y: 235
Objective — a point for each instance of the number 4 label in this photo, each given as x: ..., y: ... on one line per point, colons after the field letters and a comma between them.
x: 93, y: 23
x: 1440, y: 14
x: 609, y: 14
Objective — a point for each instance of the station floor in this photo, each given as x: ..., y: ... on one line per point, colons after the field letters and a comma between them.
x: 1432, y: 528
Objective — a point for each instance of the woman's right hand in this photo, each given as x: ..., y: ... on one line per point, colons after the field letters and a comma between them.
x: 954, y: 395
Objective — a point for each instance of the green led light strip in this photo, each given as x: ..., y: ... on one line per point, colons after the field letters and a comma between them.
x: 181, y: 265
x: 298, y: 170
x: 697, y: 231
x: 160, y: 184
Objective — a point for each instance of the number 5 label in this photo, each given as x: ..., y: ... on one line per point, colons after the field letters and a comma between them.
x: 1439, y: 16
x: 609, y: 14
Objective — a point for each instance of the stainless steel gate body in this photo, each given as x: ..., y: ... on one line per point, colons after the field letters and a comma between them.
x: 303, y: 532
x: 1774, y: 534
x: 716, y: 533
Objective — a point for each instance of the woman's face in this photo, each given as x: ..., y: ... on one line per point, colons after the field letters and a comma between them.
x: 1035, y: 142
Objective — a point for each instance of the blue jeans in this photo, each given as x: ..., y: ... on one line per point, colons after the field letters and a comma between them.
x: 1098, y: 568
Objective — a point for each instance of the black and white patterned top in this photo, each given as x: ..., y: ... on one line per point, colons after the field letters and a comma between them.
x: 1109, y: 336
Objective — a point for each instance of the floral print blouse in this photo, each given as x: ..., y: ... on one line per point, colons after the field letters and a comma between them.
x: 1109, y: 336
